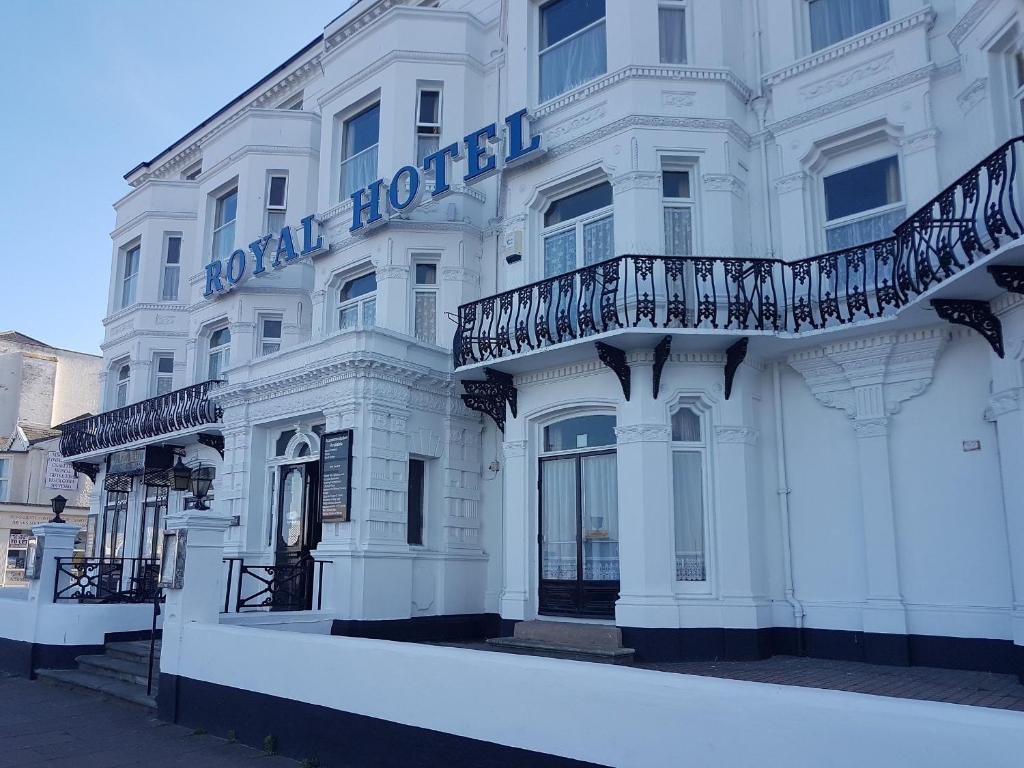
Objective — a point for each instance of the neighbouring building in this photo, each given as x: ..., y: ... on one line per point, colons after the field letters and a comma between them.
x: 40, y: 386
x: 698, y: 317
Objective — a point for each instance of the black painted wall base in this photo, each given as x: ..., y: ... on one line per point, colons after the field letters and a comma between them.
x: 22, y: 658
x: 332, y: 737
x: 467, y: 627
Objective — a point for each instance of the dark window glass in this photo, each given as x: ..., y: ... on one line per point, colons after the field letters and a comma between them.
x: 675, y: 184
x: 173, y: 250
x: 165, y: 365
x: 220, y: 337
x: 282, y: 442
x: 414, y: 528
x: 561, y: 18
x: 862, y: 188
x: 277, y: 188
x: 578, y: 203
x: 362, y: 131
x: 359, y: 286
x: 272, y: 329
x: 430, y: 101
x: 580, y: 432
x: 426, y: 274
x: 227, y: 208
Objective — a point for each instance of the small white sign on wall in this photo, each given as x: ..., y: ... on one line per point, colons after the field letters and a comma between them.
x: 972, y: 445
x: 60, y: 475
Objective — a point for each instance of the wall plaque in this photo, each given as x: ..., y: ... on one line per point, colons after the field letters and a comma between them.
x: 336, y: 476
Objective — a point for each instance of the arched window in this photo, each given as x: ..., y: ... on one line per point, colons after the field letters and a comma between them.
x: 124, y: 378
x: 578, y: 230
x: 357, y: 302
x: 220, y: 353
x: 689, y: 459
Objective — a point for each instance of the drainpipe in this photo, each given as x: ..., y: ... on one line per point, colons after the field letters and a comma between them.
x: 760, y: 107
x: 783, y: 493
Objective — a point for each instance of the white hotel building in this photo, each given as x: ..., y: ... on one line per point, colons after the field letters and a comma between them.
x: 733, y: 360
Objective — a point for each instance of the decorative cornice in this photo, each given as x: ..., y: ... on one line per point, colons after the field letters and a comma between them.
x: 135, y: 221
x: 972, y: 95
x: 121, y: 314
x: 724, y: 182
x: 514, y: 448
x: 791, y: 182
x: 923, y: 16
x: 920, y: 141
x: 847, y: 76
x: 736, y: 434
x: 643, y: 433
x: 637, y: 180
x: 268, y: 149
x: 968, y: 21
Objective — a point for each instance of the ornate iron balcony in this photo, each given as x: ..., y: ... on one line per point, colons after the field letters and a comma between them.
x: 181, y: 409
x: 967, y: 221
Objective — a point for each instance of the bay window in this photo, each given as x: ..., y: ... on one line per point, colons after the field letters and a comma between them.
x: 225, y: 212
x: 360, y: 135
x: 121, y: 384
x: 163, y: 374
x: 578, y: 230
x: 172, y: 268
x: 129, y: 275
x: 270, y: 334
x: 219, y: 353
x: 357, y: 302
x: 277, y: 203
x: 863, y: 204
x: 428, y: 123
x: 678, y: 204
x: 425, y: 301
x: 572, y: 45
x: 689, y: 458
x: 835, y: 20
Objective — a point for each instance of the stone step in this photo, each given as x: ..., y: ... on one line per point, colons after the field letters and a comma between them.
x: 134, y: 671
x: 82, y: 680
x: 562, y: 650
x: 606, y: 637
x: 135, y: 650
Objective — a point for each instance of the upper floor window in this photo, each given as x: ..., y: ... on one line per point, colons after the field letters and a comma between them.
x: 357, y: 302
x: 191, y: 172
x: 689, y: 458
x: 835, y: 20
x: 277, y: 203
x: 121, y: 384
x: 224, y: 224
x: 172, y: 268
x: 425, y: 300
x: 219, y: 355
x: 672, y: 32
x: 578, y: 230
x: 1017, y: 82
x: 677, y: 200
x: 428, y: 122
x: 5, y: 479
x: 293, y: 102
x: 572, y: 45
x: 270, y: 334
x: 863, y: 204
x: 163, y: 374
x: 359, y: 151
x: 129, y: 275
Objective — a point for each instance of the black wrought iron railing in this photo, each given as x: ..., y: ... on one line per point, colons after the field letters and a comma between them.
x: 977, y: 213
x: 184, y: 408
x: 290, y: 586
x: 106, y: 580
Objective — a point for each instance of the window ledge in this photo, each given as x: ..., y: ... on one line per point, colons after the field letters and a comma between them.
x: 923, y: 17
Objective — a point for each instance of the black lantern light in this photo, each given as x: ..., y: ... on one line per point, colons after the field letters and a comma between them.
x: 182, y: 476
x: 57, y: 505
x: 200, y: 484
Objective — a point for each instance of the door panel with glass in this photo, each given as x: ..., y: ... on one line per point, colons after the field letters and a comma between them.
x: 298, y: 532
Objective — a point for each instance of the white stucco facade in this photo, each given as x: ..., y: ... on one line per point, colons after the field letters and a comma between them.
x: 857, y: 486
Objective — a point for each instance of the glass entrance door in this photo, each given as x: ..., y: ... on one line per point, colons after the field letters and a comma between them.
x: 579, y: 535
x: 298, y: 532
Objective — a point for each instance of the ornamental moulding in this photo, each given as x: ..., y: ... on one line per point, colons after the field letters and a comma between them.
x: 968, y: 21
x: 736, y: 434
x: 642, y: 433
x: 1002, y: 403
x: 848, y: 76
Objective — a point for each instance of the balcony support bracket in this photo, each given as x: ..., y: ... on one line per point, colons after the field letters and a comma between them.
x: 734, y: 355
x: 87, y: 469
x: 615, y: 359
x: 213, y: 441
x: 976, y: 315
x: 661, y: 353
x: 1008, y: 278
x: 492, y: 395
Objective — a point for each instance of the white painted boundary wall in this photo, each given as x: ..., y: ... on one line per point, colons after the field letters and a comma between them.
x: 609, y: 715
x: 69, y: 623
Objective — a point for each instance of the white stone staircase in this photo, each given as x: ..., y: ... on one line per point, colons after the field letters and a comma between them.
x: 566, y: 640
x: 120, y: 672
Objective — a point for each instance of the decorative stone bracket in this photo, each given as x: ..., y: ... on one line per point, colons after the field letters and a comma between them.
x: 615, y: 359
x: 734, y: 357
x: 976, y: 315
x: 87, y: 469
x: 491, y: 395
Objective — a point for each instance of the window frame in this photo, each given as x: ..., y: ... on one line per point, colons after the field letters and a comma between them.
x: 192, y: 172
x: 130, y: 282
x: 419, y: 541
x: 810, y: 38
x: 262, y: 340
x: 218, y: 201
x: 428, y: 130
x: 701, y: 447
x: 223, y: 351
x: 357, y: 302
x: 685, y: 203
x: 270, y: 209
x: 159, y: 375
x: 868, y: 213
x: 343, y: 157
x: 166, y: 265
x: 676, y: 5
x: 121, y: 383
x: 427, y: 258
x: 293, y: 103
x: 577, y: 223
x: 5, y: 478
x: 546, y: 49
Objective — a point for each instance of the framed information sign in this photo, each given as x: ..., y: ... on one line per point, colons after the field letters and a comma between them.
x: 336, y: 476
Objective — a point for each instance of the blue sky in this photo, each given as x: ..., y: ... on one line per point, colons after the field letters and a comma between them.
x: 91, y: 88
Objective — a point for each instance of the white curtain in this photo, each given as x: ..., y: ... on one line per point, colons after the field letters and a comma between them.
x: 835, y: 20
x: 573, y: 62
x: 358, y: 171
x: 560, y: 253
x: 688, y: 485
x: 558, y: 516
x: 678, y: 231
x: 865, y: 230
x: 600, y: 518
x: 598, y: 240
x: 426, y: 316
x: 170, y: 286
x: 672, y: 35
